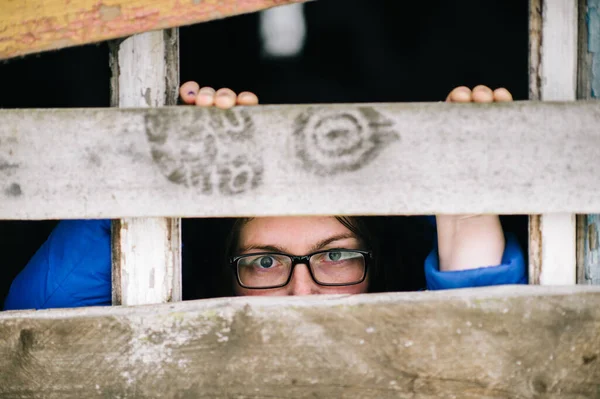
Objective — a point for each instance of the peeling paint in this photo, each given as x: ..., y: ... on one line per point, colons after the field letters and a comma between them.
x: 592, y: 237
x: 593, y: 20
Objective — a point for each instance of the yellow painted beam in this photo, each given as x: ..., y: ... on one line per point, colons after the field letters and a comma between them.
x: 30, y: 26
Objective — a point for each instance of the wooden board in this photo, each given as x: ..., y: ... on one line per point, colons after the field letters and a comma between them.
x: 382, y: 159
x: 553, y: 60
x: 501, y: 342
x: 146, y: 252
x: 589, y: 87
x: 32, y: 26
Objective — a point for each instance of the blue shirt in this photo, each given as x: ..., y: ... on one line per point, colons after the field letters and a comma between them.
x: 73, y: 268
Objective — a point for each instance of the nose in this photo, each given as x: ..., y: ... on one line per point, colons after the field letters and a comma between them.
x: 301, y: 282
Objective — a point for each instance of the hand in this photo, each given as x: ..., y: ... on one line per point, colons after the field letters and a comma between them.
x: 191, y: 93
x: 480, y: 94
x: 471, y: 241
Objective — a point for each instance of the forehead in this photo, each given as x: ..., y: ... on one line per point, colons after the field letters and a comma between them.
x: 294, y: 233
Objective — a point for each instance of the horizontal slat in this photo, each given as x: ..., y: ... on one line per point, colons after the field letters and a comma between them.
x: 508, y: 342
x: 33, y: 26
x: 427, y: 158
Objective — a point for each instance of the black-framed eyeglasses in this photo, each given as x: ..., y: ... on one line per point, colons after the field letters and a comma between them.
x: 331, y: 267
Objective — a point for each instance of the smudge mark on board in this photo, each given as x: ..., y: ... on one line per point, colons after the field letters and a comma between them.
x: 210, y: 149
x: 14, y: 190
x: 7, y: 166
x: 329, y: 142
x: 26, y: 340
x: 148, y: 97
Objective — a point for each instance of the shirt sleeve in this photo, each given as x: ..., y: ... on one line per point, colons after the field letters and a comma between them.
x: 71, y: 269
x: 512, y: 270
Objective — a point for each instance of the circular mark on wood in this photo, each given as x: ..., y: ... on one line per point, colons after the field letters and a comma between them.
x: 210, y: 149
x: 329, y: 142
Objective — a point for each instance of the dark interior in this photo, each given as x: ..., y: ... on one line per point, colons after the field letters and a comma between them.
x: 355, y: 51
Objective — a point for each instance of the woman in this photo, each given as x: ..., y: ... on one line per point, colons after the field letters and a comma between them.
x: 279, y: 255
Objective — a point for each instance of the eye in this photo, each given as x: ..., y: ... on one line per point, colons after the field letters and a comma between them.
x: 265, y: 262
x: 334, y: 256
x: 339, y: 256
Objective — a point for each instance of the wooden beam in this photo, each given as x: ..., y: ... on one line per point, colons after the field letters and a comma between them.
x: 384, y: 159
x: 509, y: 342
x: 146, y: 252
x: 553, y: 77
x: 32, y: 26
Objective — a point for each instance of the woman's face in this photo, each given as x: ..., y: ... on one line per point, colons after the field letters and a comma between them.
x: 297, y: 236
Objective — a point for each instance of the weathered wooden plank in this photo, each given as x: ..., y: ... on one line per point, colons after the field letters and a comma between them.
x: 383, y: 159
x: 146, y: 261
x: 588, y: 263
x: 559, y: 50
x: 146, y: 252
x: 33, y: 26
x: 502, y: 342
x: 553, y: 77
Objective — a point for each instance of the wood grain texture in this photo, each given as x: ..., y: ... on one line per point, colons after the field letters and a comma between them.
x: 535, y: 249
x: 584, y: 56
x: 590, y: 241
x: 146, y: 259
x: 522, y: 157
x: 559, y: 50
x: 146, y: 252
x: 553, y: 61
x: 593, y: 19
x: 501, y: 342
x: 588, y: 253
x: 535, y: 76
x: 33, y: 26
x: 535, y: 49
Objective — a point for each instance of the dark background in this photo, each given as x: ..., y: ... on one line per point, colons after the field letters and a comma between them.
x: 355, y: 51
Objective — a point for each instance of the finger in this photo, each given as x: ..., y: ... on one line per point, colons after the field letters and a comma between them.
x: 247, y: 98
x: 188, y: 92
x: 205, y: 97
x: 482, y: 94
x: 461, y: 94
x: 502, y: 95
x: 225, y: 98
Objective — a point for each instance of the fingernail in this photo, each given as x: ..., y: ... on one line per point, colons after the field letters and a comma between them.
x: 191, y: 93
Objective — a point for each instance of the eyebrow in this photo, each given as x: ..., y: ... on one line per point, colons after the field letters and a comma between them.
x: 323, y: 243
x: 319, y: 245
